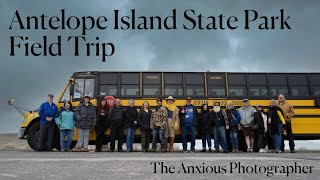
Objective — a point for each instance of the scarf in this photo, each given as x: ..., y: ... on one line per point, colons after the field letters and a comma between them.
x: 171, y: 107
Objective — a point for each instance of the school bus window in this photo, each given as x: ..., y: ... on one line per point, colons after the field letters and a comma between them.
x: 300, y: 91
x: 89, y: 87
x: 278, y: 79
x: 316, y: 91
x: 78, y: 88
x: 215, y: 79
x: 315, y: 79
x: 173, y: 90
x: 257, y: 79
x: 257, y: 91
x: 152, y: 90
x: 237, y: 91
x: 151, y: 78
x: 173, y: 84
x: 108, y: 78
x: 66, y: 95
x: 236, y: 79
x: 173, y: 78
x: 216, y: 90
x: 151, y: 84
x: 276, y: 90
x: 129, y: 90
x: 108, y: 90
x: 130, y: 84
x: 130, y: 78
x: 195, y: 90
x: 298, y: 79
x: 194, y: 78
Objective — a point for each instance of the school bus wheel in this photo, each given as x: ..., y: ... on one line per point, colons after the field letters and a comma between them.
x: 32, y: 136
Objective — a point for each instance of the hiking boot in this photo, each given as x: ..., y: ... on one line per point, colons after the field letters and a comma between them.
x: 193, y: 151
x: 85, y: 150
x: 292, y: 151
x: 210, y: 150
x: 203, y: 150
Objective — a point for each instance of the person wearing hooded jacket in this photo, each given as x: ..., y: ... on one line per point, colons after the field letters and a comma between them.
x: 65, y: 121
x: 205, y: 119
x: 116, y: 118
x: 276, y: 122
x: 86, y: 116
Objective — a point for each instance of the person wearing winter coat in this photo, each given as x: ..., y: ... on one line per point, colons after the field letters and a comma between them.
x: 188, y: 121
x: 288, y: 112
x: 261, y: 128
x: 205, y: 119
x: 220, y: 124
x: 233, y: 119
x: 102, y: 124
x: 131, y: 123
x: 86, y: 117
x: 276, y: 123
x: 158, y: 125
x: 117, y: 119
x: 65, y: 121
x: 246, y: 123
x: 144, y: 119
x: 173, y: 123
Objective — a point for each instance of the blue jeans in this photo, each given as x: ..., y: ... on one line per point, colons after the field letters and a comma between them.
x: 158, y: 133
x: 277, y: 137
x: 220, y: 137
x: 185, y: 129
x: 130, y: 138
x: 66, y: 134
x: 206, y: 137
x: 234, y: 137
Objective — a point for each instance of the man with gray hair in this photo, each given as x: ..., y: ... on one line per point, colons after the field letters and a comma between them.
x: 246, y: 123
x: 288, y: 112
x: 131, y: 121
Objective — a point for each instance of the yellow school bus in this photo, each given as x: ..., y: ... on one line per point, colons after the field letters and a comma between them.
x: 302, y: 90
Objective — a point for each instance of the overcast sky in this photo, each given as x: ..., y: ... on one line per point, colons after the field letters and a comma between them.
x: 30, y: 79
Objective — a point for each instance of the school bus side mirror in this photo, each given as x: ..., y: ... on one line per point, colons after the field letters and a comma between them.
x: 71, y: 88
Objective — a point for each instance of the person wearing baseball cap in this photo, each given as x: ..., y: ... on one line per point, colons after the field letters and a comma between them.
x: 158, y: 125
x: 47, y: 112
x: 246, y: 123
x: 188, y: 117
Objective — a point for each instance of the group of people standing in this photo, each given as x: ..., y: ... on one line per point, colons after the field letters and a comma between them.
x: 255, y: 124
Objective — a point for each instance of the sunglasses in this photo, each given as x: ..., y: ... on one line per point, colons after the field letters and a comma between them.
x: 216, y: 105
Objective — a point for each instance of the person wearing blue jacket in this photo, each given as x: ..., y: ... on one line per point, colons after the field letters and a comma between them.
x: 65, y: 120
x: 188, y: 117
x: 233, y: 119
x: 47, y: 113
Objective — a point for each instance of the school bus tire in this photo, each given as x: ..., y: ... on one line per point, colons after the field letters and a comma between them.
x: 32, y: 136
